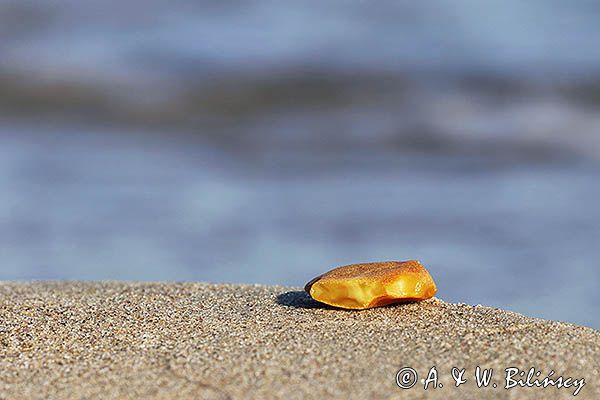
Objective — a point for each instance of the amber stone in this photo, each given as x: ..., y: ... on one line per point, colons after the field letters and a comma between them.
x: 360, y: 286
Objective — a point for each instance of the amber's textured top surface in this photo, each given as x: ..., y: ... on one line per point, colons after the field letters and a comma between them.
x: 384, y: 272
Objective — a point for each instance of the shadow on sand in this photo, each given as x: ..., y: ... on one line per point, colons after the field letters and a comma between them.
x: 300, y: 299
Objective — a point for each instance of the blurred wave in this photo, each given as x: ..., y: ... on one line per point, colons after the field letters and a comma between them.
x: 471, y: 115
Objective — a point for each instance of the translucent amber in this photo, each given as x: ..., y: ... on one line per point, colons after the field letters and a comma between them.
x: 360, y: 286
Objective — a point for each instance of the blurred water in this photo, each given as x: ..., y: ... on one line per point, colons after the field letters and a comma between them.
x: 261, y: 141
x: 101, y: 205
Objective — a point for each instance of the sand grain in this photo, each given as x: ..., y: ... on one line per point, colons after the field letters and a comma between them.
x: 207, y: 341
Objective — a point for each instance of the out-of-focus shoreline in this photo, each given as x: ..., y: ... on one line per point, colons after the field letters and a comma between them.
x: 323, y: 112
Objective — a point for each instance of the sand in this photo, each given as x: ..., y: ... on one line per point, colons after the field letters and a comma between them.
x: 206, y: 341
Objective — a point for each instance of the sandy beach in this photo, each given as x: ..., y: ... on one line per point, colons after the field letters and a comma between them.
x: 206, y: 341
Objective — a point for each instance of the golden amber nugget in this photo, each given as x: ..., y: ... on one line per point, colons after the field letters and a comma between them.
x: 360, y: 286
